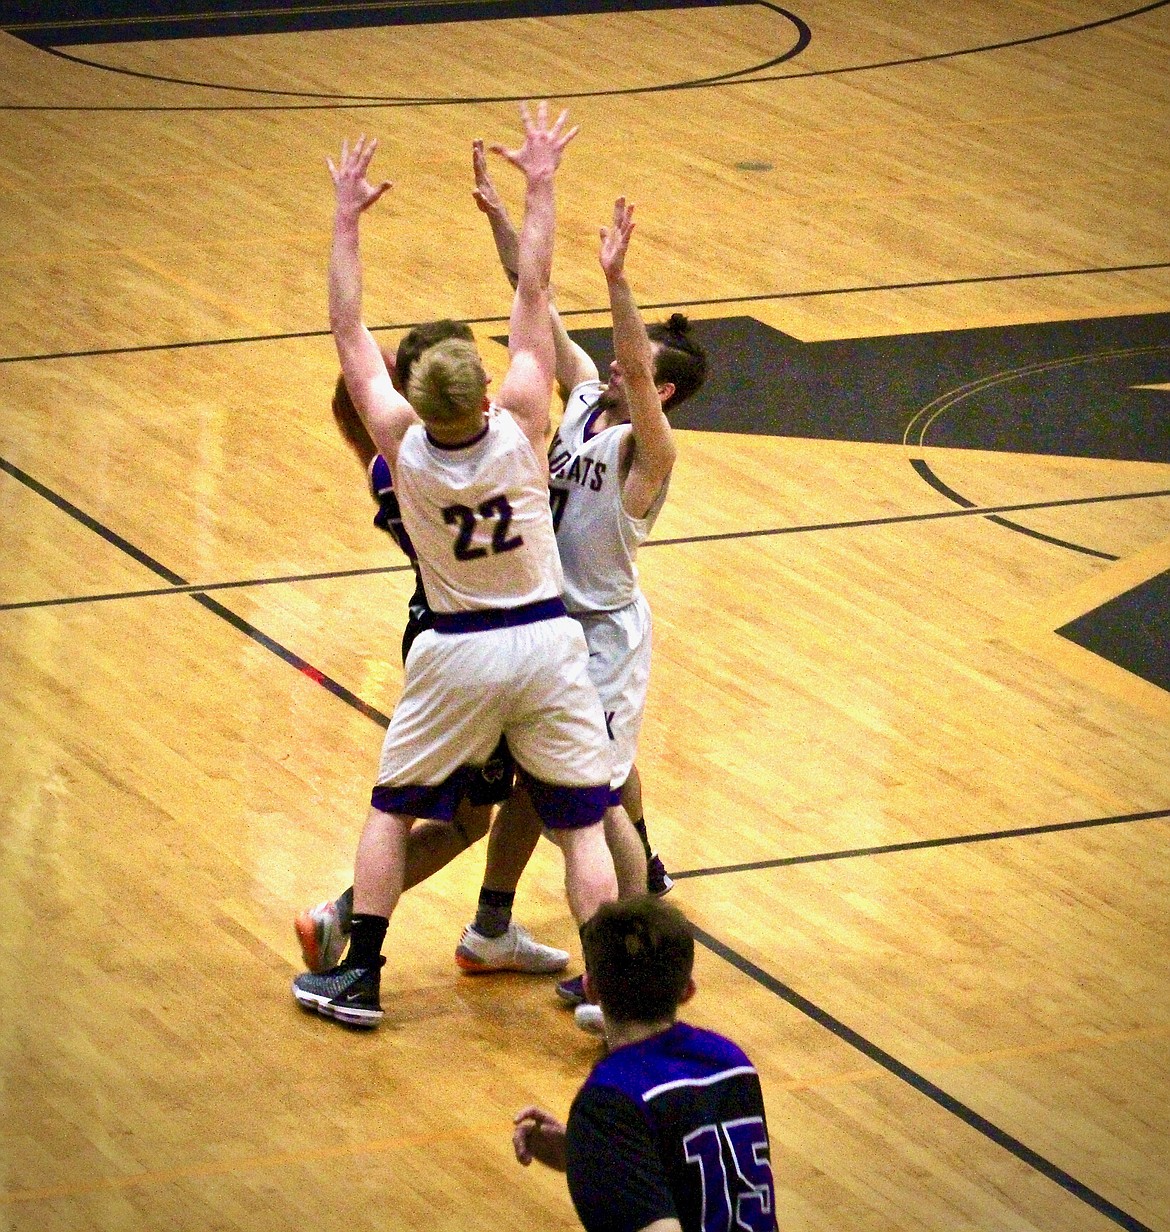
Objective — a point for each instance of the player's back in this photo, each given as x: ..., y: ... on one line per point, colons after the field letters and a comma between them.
x: 479, y: 518
x: 700, y: 1100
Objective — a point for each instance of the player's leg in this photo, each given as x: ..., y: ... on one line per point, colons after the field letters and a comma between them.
x: 629, y: 859
x: 431, y: 845
x: 589, y: 875
x: 620, y: 645
x: 556, y: 730
x: 493, y: 941
x: 658, y: 880
x: 446, y: 720
x: 349, y: 992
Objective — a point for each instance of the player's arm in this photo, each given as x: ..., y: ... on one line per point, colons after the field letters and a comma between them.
x: 384, y: 411
x: 654, y: 447
x: 526, y: 389
x: 573, y: 365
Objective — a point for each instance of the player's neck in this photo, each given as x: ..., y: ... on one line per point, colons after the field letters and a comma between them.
x: 463, y: 432
x: 619, y: 1034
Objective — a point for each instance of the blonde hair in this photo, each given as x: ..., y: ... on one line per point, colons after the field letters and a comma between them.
x: 447, y: 382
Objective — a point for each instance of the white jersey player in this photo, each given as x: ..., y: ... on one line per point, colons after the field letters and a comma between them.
x: 610, y: 464
x: 503, y: 656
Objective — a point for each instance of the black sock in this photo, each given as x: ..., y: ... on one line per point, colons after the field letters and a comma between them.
x: 365, y: 940
x: 494, y: 912
x: 640, y: 826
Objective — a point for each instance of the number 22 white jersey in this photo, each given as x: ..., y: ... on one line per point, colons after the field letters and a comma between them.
x: 479, y: 518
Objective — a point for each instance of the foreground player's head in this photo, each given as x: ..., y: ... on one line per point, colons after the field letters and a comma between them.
x: 448, y: 387
x: 639, y: 955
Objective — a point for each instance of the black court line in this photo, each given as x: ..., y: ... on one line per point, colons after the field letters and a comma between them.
x: 182, y: 587
x: 334, y: 99
x: 238, y: 622
x: 292, y: 658
x: 896, y: 519
x: 704, y: 83
x: 822, y: 1017
x: 713, y: 302
x: 925, y: 844
x: 123, y: 545
x: 922, y: 467
x: 920, y: 1084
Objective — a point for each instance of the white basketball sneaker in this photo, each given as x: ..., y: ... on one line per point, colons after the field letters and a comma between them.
x: 515, y: 950
x: 589, y: 1018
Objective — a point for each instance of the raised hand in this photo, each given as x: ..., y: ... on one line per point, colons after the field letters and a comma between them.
x: 615, y: 239
x: 354, y: 192
x: 484, y: 191
x: 540, y: 155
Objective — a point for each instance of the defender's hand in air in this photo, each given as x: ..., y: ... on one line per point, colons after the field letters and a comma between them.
x: 615, y: 240
x: 540, y: 155
x: 484, y: 191
x: 354, y: 192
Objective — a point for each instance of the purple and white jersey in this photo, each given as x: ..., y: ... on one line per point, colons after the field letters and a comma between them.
x: 479, y: 517
x: 596, y: 537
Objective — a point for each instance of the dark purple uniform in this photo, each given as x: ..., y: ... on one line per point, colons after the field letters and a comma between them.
x: 672, y: 1127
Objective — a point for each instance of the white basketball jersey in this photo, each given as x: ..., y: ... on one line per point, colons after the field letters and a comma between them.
x: 596, y: 537
x: 479, y: 518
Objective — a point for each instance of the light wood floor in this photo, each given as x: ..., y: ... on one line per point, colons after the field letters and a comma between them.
x: 951, y: 1034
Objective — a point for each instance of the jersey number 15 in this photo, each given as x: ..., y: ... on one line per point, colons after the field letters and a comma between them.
x: 752, y: 1207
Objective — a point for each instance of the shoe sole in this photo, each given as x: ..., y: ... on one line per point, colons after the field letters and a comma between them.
x: 471, y: 964
x: 351, y: 1015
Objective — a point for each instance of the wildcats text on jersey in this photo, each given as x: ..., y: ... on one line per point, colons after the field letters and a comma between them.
x: 565, y: 465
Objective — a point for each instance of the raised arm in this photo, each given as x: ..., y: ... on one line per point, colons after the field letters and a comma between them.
x: 526, y: 389
x: 384, y: 411
x: 654, y: 448
x: 573, y: 364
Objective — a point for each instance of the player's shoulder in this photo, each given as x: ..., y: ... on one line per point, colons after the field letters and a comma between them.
x: 582, y: 396
x: 684, y: 1055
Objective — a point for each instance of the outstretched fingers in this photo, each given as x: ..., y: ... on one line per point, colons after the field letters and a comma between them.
x: 615, y: 239
x: 542, y: 141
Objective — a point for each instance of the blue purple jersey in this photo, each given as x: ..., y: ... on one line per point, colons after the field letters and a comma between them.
x: 672, y: 1127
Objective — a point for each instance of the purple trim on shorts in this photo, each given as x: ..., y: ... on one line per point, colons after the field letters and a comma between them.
x: 615, y: 797
x: 438, y: 801
x: 482, y: 619
x: 566, y: 808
